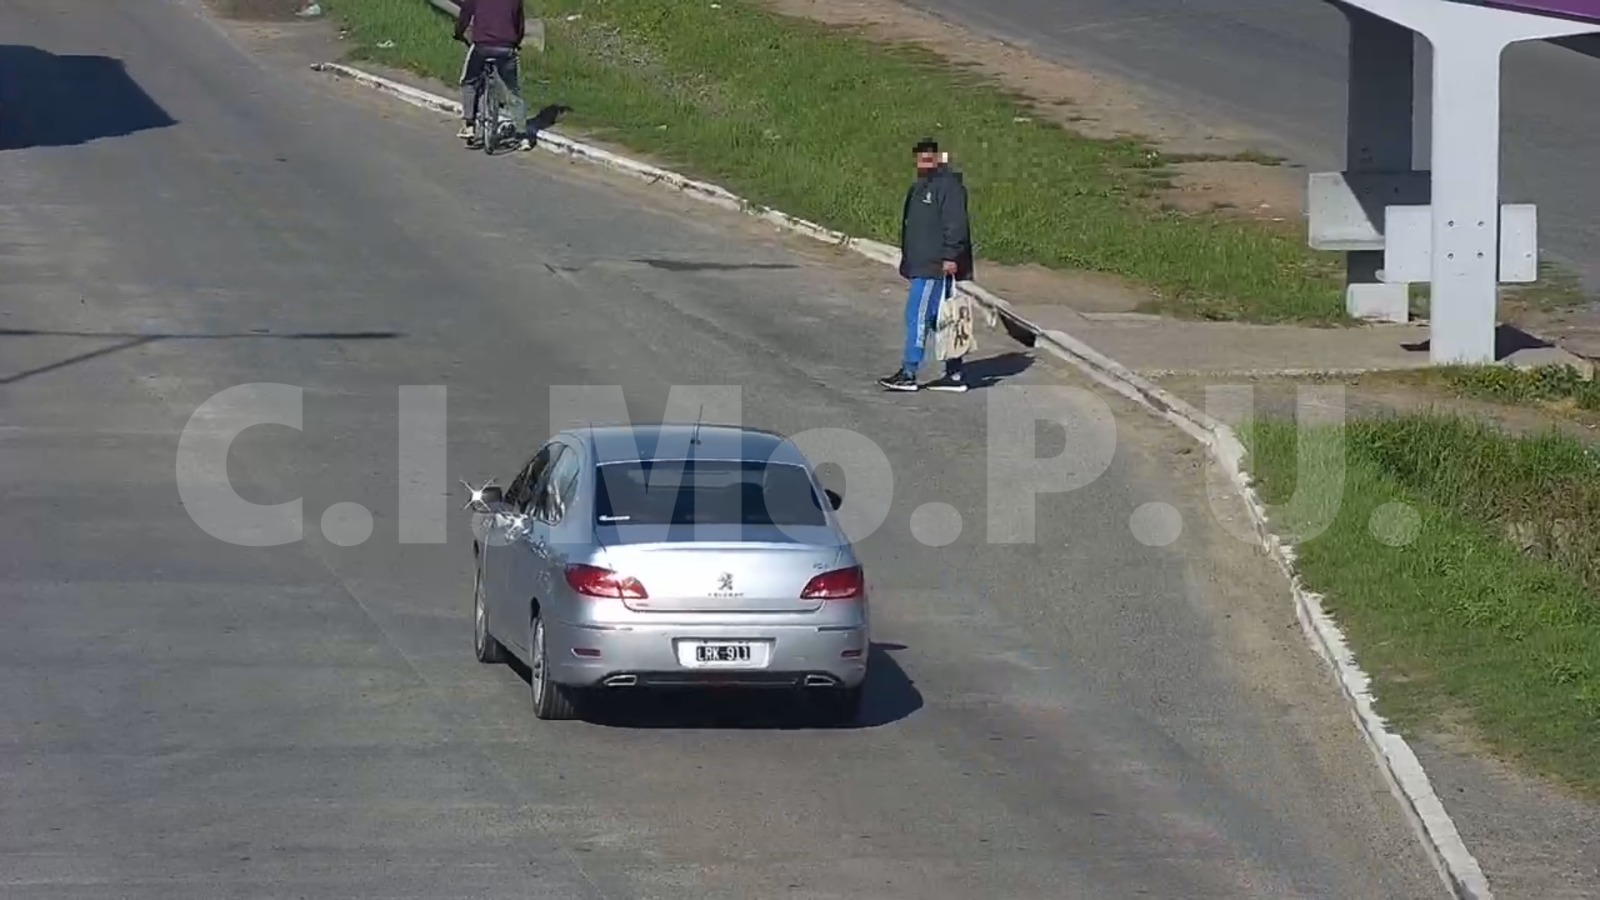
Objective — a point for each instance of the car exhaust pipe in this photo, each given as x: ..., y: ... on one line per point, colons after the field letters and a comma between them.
x: 621, y: 681
x: 818, y: 681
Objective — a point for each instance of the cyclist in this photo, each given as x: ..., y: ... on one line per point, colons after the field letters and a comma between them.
x: 497, y: 28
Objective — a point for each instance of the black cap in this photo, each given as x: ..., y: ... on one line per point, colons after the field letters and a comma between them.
x: 926, y: 145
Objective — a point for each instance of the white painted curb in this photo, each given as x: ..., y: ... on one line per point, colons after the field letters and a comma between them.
x: 1456, y: 865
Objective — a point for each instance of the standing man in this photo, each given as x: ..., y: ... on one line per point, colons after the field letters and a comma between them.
x: 497, y: 28
x: 935, y: 252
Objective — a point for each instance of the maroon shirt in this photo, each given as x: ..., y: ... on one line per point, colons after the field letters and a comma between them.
x: 494, y: 23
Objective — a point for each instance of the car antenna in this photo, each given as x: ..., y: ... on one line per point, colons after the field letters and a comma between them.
x: 695, y: 438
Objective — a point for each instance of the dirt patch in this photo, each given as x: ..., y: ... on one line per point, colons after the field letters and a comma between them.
x: 1088, y: 103
x: 290, y: 39
x: 1249, y: 189
x: 258, y: 10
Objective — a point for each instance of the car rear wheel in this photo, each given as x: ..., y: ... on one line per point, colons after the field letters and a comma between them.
x: 551, y: 701
x: 484, y: 646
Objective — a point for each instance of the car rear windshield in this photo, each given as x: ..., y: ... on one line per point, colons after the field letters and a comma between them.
x: 706, y: 492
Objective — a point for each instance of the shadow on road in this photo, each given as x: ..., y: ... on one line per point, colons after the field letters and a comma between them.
x: 890, y: 697
x: 678, y: 265
x: 1508, y: 339
x: 127, y: 340
x: 545, y: 119
x: 1017, y: 332
x: 991, y: 370
x: 62, y: 101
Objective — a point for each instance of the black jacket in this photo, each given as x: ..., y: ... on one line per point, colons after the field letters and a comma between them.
x: 934, y: 227
x: 494, y: 23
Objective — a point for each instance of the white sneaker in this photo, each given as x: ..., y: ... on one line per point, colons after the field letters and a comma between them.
x: 952, y: 384
x: 525, y: 144
x: 466, y: 133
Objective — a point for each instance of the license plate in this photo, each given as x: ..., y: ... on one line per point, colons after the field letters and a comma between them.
x: 722, y: 653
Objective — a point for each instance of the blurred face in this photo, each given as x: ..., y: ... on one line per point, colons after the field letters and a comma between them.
x: 927, y: 161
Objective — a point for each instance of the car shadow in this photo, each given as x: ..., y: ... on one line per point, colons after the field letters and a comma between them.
x: 48, y: 100
x: 890, y: 697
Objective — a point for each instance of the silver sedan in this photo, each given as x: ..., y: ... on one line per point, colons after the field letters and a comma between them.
x: 669, y: 556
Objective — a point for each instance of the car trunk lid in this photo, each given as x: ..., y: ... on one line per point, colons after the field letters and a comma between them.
x: 711, y: 571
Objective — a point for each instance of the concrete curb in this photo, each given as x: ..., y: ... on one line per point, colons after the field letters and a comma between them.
x: 1254, y: 374
x: 1456, y: 865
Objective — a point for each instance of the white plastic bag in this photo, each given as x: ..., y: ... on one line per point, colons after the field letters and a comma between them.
x: 956, y: 328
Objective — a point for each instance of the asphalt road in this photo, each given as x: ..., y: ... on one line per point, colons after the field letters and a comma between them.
x: 181, y: 717
x: 1278, y: 68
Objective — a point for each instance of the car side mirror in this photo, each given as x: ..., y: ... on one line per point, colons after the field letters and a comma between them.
x: 834, y: 499
x: 493, y: 495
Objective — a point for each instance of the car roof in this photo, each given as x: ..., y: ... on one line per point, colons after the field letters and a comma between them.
x: 631, y: 443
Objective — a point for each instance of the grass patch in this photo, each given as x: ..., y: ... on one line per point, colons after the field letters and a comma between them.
x: 1475, y: 601
x: 818, y: 121
x: 1559, y: 386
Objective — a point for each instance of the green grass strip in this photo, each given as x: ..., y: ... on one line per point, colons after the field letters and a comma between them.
x: 1456, y: 626
x: 819, y: 122
x: 1545, y: 384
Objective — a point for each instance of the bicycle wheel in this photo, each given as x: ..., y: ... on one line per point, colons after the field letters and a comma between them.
x: 489, y: 117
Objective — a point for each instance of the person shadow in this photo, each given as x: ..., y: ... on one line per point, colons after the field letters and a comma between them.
x: 545, y: 119
x: 50, y: 100
x: 992, y: 370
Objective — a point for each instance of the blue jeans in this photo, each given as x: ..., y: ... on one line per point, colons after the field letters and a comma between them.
x: 473, y: 82
x: 922, y: 322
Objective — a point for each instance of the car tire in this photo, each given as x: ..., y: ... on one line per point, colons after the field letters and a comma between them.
x: 484, y: 646
x: 551, y: 701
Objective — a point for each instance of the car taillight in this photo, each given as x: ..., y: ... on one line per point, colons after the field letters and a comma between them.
x: 840, y: 584
x: 593, y: 581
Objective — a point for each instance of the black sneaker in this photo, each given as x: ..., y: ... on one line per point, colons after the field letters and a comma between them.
x: 899, y: 381
x: 953, y: 384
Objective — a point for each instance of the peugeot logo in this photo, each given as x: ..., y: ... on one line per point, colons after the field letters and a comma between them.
x: 725, y: 581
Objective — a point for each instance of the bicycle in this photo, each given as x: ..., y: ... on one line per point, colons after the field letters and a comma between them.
x: 490, y: 100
